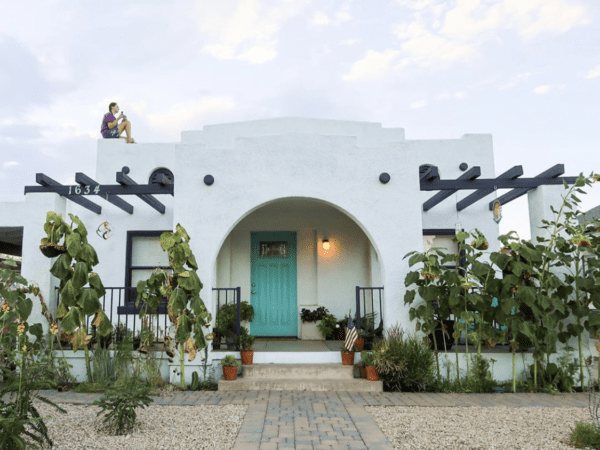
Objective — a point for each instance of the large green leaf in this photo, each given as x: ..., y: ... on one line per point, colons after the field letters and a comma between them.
x: 178, y: 300
x: 409, y: 297
x: 24, y: 306
x: 73, y: 242
x: 71, y: 321
x: 80, y: 226
x: 61, y: 310
x: 411, y: 278
x: 88, y: 254
x: 80, y: 275
x: 167, y: 240
x: 102, y: 323
x: 89, y: 302
x: 96, y: 284
x: 183, y: 330
x: 61, y: 267
x: 69, y: 293
x: 37, y: 331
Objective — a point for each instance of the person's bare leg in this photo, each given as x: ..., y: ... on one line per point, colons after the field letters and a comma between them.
x: 126, y: 126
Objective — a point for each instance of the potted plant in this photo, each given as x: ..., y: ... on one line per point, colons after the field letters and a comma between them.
x: 368, y: 359
x: 230, y: 365
x: 227, y: 318
x: 245, y: 340
x: 360, y: 341
x: 310, y: 323
x: 347, y: 355
x: 327, y: 326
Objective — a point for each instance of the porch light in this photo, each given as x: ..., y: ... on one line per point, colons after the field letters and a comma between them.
x: 326, y: 244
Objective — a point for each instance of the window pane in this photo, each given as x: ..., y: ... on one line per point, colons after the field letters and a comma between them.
x: 444, y: 243
x: 146, y: 251
x: 273, y: 249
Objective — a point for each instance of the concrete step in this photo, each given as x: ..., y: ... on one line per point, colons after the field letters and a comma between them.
x: 298, y: 372
x: 263, y: 384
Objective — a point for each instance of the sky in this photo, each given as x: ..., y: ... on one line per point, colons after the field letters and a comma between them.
x: 526, y: 71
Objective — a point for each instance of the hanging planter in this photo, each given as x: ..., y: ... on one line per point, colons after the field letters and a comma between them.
x: 347, y: 358
x: 51, y: 250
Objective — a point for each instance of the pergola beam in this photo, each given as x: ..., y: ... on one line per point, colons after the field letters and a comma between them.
x: 511, y: 174
x: 84, y: 180
x: 124, y: 180
x: 48, y: 182
x: 549, y: 177
x: 471, y: 174
x: 430, y: 174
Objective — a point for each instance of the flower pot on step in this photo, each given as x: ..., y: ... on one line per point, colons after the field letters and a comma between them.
x: 247, y: 356
x: 347, y: 358
x: 230, y: 372
x: 372, y: 374
x: 359, y: 344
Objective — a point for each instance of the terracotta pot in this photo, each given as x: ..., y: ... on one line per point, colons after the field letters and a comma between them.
x: 347, y: 358
x: 230, y: 372
x: 372, y: 374
x: 247, y: 356
x: 360, y: 344
x: 363, y: 372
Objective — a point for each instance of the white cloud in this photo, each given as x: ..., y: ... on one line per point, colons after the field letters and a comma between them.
x: 321, y: 19
x: 245, y: 30
x: 184, y: 115
x: 373, y: 65
x: 9, y: 164
x: 546, y: 88
x: 460, y: 95
x: 419, y: 104
x: 350, y: 42
x: 592, y: 73
x: 514, y: 80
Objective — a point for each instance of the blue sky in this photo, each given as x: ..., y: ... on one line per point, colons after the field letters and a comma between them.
x: 526, y: 71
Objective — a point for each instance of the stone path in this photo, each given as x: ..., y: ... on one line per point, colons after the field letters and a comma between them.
x: 328, y: 420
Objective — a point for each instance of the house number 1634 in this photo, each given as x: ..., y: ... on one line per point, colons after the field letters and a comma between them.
x: 78, y: 190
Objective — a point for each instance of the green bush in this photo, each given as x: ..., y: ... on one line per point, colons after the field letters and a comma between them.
x: 404, y: 361
x: 227, y: 316
x: 367, y: 358
x: 481, y: 377
x: 245, y: 340
x: 119, y: 404
x: 553, y: 377
x: 327, y: 325
x: 307, y: 315
x: 585, y: 435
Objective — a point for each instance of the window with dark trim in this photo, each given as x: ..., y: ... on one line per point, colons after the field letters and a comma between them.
x: 442, y: 238
x: 143, y: 255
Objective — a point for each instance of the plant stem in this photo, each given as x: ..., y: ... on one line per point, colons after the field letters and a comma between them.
x: 88, y: 367
x: 535, y: 364
x: 514, y: 371
x: 181, y: 367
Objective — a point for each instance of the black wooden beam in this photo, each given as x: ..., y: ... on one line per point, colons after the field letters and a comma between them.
x: 84, y: 180
x: 103, y: 189
x: 470, y: 174
x: 430, y: 174
x: 48, y: 182
x: 510, y: 174
x: 123, y: 179
x: 551, y: 174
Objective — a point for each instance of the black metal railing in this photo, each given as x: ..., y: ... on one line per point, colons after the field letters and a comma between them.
x: 369, y: 308
x: 119, y: 306
x: 225, y: 335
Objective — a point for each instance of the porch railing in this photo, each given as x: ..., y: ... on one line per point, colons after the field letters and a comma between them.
x: 118, y: 305
x: 369, y: 308
x: 226, y: 297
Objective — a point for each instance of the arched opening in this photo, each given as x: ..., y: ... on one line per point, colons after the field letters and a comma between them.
x: 276, y: 255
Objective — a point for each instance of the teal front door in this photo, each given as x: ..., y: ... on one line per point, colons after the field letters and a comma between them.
x: 274, y: 283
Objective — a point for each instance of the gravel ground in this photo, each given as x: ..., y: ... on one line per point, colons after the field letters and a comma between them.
x: 158, y: 427
x: 478, y: 428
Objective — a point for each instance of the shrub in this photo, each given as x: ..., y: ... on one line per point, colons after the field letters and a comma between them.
x: 119, y: 404
x: 229, y: 361
x: 404, y: 361
x: 245, y: 340
x: 306, y: 315
x: 327, y: 325
x: 585, y: 435
x: 367, y: 358
x: 481, y: 377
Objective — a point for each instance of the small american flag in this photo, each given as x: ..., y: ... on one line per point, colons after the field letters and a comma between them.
x: 351, y: 334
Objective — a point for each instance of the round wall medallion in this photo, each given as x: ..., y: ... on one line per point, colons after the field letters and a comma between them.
x: 463, y: 166
x: 209, y: 180
x: 384, y: 177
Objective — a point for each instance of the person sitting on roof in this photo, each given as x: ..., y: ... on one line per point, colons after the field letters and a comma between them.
x: 112, y: 129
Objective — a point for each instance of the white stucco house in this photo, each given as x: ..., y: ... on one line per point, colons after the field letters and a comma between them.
x: 259, y: 198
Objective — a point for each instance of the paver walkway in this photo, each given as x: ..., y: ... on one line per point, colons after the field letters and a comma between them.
x: 328, y: 420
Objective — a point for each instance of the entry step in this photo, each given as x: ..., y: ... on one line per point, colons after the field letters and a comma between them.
x: 262, y: 384
x: 298, y: 371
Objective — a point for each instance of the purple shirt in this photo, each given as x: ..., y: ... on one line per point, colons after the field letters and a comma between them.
x: 108, y: 132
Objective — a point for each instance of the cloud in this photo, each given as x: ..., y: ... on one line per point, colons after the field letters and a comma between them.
x: 321, y: 19
x: 592, y: 73
x: 514, y: 80
x: 187, y: 115
x: 439, y: 34
x: 9, y: 164
x: 546, y: 88
x: 373, y: 65
x: 245, y: 30
x: 419, y: 104
x: 350, y: 42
